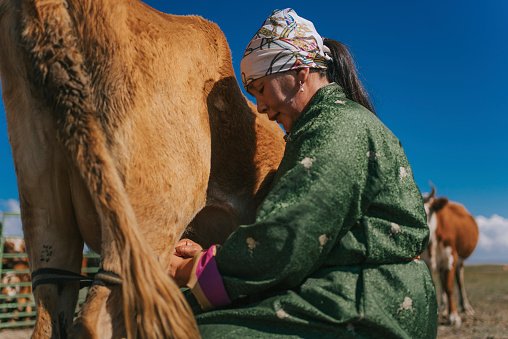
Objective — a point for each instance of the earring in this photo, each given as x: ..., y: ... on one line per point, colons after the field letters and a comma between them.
x: 301, y: 87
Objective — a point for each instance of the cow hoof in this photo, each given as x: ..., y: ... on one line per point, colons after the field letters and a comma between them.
x: 455, y: 319
x: 469, y: 310
x: 443, y: 310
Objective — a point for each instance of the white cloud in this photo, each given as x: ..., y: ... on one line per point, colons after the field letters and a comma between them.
x: 12, y: 224
x: 493, y: 243
x: 10, y: 205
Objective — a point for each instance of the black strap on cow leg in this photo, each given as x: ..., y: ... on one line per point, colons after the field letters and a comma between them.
x: 106, y: 278
x: 44, y: 276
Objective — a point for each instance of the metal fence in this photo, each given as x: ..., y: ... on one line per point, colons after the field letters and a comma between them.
x: 17, y: 305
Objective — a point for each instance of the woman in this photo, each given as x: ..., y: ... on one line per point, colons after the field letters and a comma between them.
x: 333, y: 250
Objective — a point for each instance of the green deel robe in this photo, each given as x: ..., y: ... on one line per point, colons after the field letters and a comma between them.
x: 330, y: 254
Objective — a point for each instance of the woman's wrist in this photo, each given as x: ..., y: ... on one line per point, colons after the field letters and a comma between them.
x: 183, y: 272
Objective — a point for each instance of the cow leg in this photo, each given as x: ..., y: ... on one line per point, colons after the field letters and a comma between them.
x: 54, y: 315
x: 443, y: 308
x: 53, y: 241
x: 55, y: 305
x: 447, y: 308
x: 459, y: 276
x: 101, y: 316
x: 447, y: 266
x: 90, y: 315
x: 448, y: 287
x: 444, y: 263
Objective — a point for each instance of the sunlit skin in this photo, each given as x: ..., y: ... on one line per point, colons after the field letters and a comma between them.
x: 181, y: 264
x: 278, y: 95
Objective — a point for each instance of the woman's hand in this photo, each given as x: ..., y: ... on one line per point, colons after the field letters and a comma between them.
x: 182, y: 263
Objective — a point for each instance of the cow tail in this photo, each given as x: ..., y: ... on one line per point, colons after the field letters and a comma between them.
x: 59, y: 78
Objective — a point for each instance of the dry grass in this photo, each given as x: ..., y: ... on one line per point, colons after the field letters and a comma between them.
x: 487, y: 290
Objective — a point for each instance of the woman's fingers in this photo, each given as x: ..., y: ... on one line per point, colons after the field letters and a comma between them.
x: 187, y: 248
x: 187, y: 251
x: 185, y: 242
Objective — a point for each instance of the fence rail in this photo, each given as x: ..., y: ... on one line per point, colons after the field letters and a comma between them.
x: 17, y: 309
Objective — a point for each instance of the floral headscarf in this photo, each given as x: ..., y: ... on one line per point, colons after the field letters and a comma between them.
x: 284, y: 42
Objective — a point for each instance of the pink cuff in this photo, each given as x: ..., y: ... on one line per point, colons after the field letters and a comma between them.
x: 206, y: 282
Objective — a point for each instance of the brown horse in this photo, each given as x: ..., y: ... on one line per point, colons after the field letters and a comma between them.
x: 126, y: 125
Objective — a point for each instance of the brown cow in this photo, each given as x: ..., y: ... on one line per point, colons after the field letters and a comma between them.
x: 453, y: 238
x: 13, y: 245
x: 12, y: 279
x: 125, y: 123
x: 17, y: 294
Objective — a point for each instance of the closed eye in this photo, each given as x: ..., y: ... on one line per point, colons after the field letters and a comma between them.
x: 255, y: 87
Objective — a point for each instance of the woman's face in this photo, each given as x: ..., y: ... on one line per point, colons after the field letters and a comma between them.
x: 277, y: 95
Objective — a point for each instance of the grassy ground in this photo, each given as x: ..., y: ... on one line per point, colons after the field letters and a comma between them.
x: 487, y: 290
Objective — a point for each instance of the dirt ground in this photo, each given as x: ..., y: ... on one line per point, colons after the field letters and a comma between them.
x: 15, y: 333
x: 487, y: 289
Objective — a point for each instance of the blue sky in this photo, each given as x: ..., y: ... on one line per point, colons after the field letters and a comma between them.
x: 437, y: 71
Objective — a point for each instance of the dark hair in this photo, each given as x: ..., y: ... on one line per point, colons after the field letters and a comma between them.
x: 342, y: 70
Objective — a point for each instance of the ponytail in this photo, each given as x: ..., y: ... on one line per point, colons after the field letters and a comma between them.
x: 342, y: 70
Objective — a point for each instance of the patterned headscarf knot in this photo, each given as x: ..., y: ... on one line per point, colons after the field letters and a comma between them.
x: 284, y: 42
